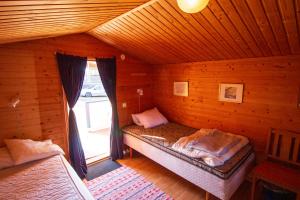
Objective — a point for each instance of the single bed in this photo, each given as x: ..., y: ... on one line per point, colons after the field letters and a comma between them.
x: 49, y: 178
x: 221, y: 181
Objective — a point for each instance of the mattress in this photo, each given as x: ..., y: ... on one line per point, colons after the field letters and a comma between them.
x: 221, y: 188
x: 172, y: 132
x: 50, y: 178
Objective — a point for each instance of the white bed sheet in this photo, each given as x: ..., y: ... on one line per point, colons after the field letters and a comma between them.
x: 220, y: 188
x: 50, y: 178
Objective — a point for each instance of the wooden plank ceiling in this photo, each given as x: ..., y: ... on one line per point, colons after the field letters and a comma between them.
x: 227, y: 29
x: 31, y: 19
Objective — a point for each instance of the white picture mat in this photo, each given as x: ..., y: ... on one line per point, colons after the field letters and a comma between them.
x: 181, y: 89
x: 231, y: 92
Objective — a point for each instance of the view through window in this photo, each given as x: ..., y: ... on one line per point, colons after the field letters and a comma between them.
x: 93, y: 113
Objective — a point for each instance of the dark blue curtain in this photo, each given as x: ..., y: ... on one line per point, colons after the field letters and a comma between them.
x: 72, y: 70
x: 107, y: 70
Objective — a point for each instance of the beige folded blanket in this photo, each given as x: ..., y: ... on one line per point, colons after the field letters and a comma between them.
x: 216, y: 143
x: 211, y: 141
x: 213, y: 147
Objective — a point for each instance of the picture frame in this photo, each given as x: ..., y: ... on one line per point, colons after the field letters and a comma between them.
x: 181, y: 88
x: 231, y: 92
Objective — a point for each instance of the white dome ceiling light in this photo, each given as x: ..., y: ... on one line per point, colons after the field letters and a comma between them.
x: 192, y: 6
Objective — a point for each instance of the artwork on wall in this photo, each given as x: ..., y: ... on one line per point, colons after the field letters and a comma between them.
x: 231, y: 92
x: 181, y: 89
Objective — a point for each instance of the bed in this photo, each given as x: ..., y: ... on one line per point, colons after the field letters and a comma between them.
x: 221, y: 181
x: 49, y: 178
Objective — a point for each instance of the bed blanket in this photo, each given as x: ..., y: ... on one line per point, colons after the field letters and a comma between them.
x: 213, y: 146
x: 49, y: 178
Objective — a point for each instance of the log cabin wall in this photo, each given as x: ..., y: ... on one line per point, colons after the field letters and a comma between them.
x: 271, y: 89
x: 29, y: 69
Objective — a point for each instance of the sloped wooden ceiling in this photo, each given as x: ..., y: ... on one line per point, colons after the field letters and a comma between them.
x: 227, y: 29
x: 32, y: 19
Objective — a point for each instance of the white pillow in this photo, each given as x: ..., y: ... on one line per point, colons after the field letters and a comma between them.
x: 151, y: 118
x: 136, y: 120
x: 23, y: 151
x: 5, y: 158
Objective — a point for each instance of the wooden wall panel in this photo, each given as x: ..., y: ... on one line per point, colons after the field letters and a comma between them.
x: 271, y: 87
x: 30, y: 70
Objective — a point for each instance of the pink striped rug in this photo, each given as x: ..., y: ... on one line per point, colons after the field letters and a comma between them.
x: 124, y: 183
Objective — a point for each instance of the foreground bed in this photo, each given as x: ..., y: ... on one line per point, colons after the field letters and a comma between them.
x: 220, y: 181
x: 50, y: 178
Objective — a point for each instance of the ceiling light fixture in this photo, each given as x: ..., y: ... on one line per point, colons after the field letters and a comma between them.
x: 192, y: 6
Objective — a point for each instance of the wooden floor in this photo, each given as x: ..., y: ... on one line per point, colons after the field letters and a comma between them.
x: 175, y: 186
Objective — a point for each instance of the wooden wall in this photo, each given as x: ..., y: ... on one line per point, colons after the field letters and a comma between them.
x: 30, y: 70
x: 271, y: 89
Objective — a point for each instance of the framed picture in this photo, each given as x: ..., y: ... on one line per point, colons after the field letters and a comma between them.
x: 231, y: 92
x: 181, y: 89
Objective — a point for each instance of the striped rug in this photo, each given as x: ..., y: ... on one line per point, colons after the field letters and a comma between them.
x: 124, y: 183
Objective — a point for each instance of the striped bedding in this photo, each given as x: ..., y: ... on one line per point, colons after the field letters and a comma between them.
x: 172, y: 132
